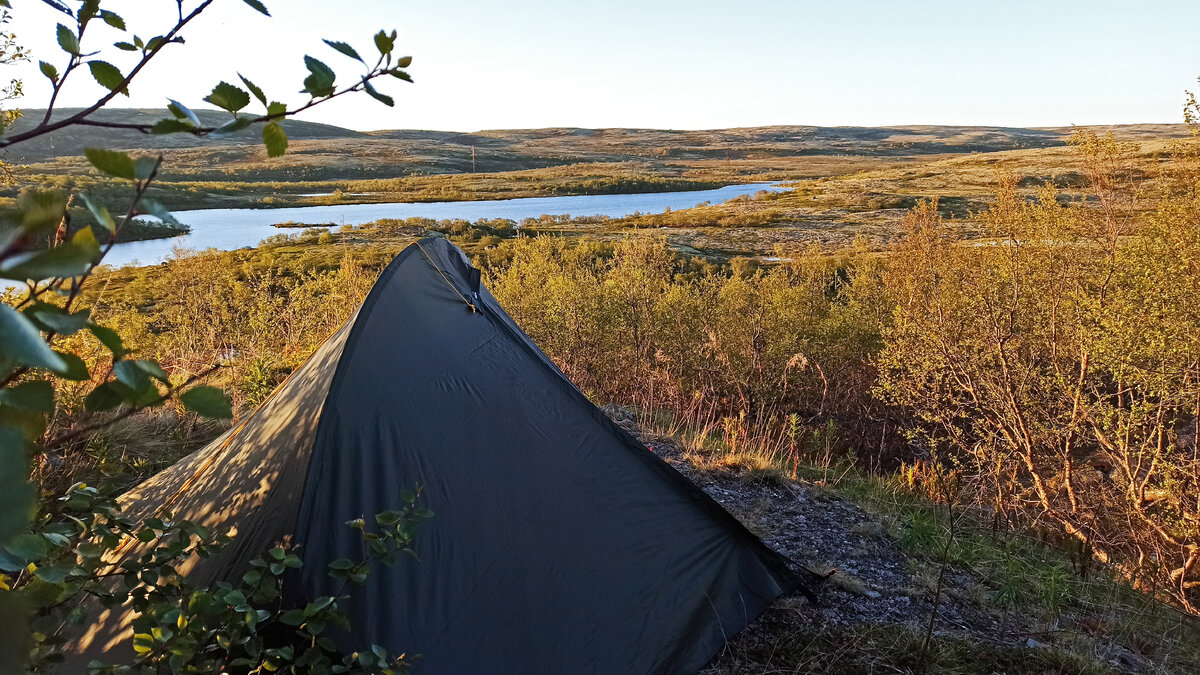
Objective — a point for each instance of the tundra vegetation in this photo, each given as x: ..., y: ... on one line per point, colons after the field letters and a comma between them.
x: 1035, y: 368
x: 975, y: 336
x: 1047, y: 368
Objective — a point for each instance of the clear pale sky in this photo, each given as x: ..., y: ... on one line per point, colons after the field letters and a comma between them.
x: 686, y: 64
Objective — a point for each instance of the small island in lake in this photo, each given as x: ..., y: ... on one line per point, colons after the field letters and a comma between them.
x: 294, y: 224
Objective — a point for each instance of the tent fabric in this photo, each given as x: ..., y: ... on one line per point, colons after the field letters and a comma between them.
x: 247, y: 481
x: 250, y: 480
x: 559, y: 542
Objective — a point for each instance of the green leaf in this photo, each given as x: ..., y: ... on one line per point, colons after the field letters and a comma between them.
x: 67, y: 260
x: 207, y: 402
x: 147, y: 398
x: 404, y: 62
x: 143, y: 643
x: 109, y: 338
x: 107, y: 396
x: 254, y: 89
x: 48, y: 70
x: 182, y: 112
x: 170, y: 126
x: 231, y: 127
x: 154, y: 208
x: 55, y: 573
x: 382, y: 98
x: 108, y: 76
x: 276, y: 109
x: 400, y: 75
x: 129, y: 374
x: 275, y: 139
x: 388, y: 518
x: 258, y: 5
x: 100, y: 213
x: 23, y: 343
x: 51, y: 317
x: 35, y: 395
x: 125, y: 46
x: 112, y: 19
x: 292, y: 617
x: 143, y: 167
x: 76, y: 369
x: 16, y: 494
x: 28, y: 547
x: 228, y: 97
x: 320, y: 78
x: 8, y: 235
x: 345, y: 49
x: 68, y: 40
x: 112, y: 162
x: 87, y: 11
x: 153, y: 370
x: 384, y: 42
x: 41, y: 209
x: 85, y: 239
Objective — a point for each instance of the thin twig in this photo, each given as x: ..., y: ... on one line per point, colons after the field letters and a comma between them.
x: 47, y: 126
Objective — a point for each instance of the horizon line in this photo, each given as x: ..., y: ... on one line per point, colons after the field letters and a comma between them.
x: 909, y: 125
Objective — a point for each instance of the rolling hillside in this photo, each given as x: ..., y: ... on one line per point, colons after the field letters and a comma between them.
x: 71, y: 141
x: 321, y: 151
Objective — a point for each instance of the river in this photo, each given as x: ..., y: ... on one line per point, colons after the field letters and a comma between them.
x: 228, y: 229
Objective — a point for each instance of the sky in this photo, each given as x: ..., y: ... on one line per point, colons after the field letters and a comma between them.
x: 694, y: 64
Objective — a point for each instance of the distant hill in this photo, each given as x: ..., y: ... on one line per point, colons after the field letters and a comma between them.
x: 750, y: 142
x: 761, y: 141
x: 71, y: 141
x: 322, y: 151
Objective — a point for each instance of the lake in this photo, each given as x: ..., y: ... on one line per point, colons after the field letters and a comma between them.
x: 227, y: 229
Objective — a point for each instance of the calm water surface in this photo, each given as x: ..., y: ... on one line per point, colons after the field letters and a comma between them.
x: 227, y: 229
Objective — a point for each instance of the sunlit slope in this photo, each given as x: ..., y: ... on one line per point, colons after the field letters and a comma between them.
x: 314, y: 145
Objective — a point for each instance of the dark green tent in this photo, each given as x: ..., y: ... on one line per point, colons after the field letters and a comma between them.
x: 560, y: 544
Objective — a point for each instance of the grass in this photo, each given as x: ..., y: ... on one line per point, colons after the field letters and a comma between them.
x: 882, y: 648
x: 1022, y: 573
x: 127, y: 452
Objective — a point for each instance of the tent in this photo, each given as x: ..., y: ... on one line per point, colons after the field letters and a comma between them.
x: 559, y: 542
